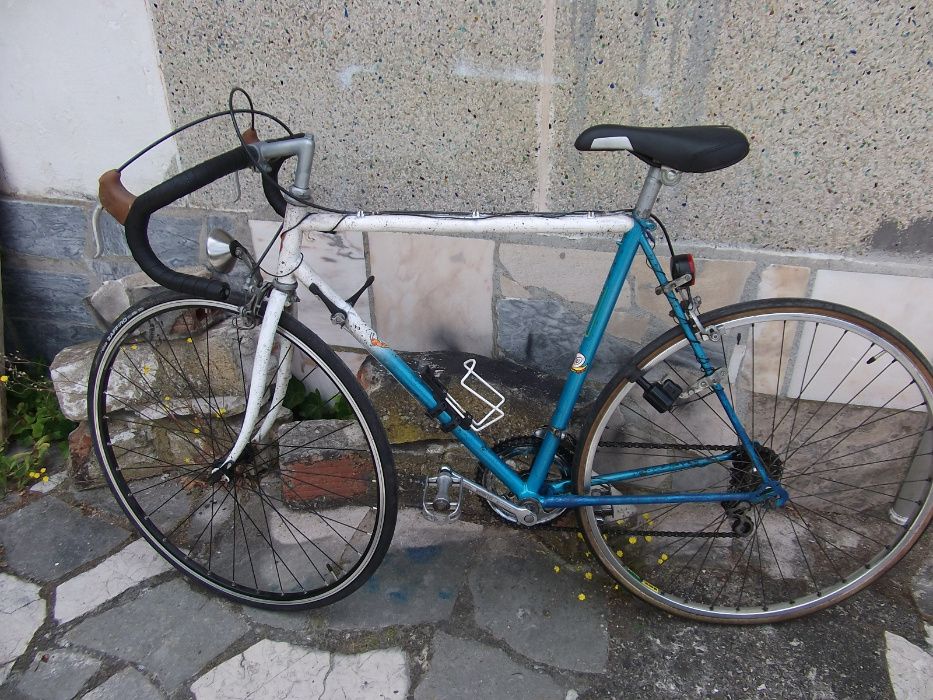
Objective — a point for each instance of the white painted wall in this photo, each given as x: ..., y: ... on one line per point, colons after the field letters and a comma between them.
x: 80, y: 92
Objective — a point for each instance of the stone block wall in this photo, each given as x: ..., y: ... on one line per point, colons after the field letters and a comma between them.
x: 475, y: 106
x: 49, y: 265
x: 529, y: 298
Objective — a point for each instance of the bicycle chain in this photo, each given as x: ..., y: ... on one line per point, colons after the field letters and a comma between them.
x: 668, y: 446
x: 659, y: 446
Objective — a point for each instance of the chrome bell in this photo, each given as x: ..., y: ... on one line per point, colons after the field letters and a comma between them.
x: 217, y: 246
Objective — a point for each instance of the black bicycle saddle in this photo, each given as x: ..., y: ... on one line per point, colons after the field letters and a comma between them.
x: 689, y: 149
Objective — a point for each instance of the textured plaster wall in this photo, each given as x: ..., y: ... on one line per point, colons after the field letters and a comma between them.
x: 475, y: 105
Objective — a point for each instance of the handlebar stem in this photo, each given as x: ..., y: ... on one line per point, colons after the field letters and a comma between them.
x: 303, y: 148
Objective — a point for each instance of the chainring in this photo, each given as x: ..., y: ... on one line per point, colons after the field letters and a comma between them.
x: 511, y: 449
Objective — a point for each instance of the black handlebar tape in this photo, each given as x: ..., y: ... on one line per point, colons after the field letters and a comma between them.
x: 185, y: 183
x: 269, y: 187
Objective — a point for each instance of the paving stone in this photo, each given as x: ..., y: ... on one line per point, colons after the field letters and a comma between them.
x: 59, y: 677
x: 171, y: 630
x: 280, y: 670
x: 22, y: 612
x: 50, y: 485
x: 454, y: 674
x: 417, y: 582
x: 909, y: 667
x: 922, y: 587
x: 412, y: 529
x: 410, y: 587
x: 381, y: 674
x: 47, y: 539
x: 133, y: 564
x: 128, y: 684
x: 295, y: 620
x: 100, y: 498
x: 545, y: 622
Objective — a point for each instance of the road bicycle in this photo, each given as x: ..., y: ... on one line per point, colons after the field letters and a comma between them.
x: 754, y: 463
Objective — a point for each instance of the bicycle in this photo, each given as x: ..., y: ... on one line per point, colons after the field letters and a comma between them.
x: 712, y: 480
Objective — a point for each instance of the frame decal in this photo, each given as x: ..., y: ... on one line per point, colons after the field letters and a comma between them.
x: 579, y: 364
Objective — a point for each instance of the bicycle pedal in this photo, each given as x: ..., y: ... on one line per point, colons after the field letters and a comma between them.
x: 442, y: 497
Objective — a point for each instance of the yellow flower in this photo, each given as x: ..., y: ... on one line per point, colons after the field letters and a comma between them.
x: 4, y: 378
x: 581, y: 597
x: 196, y: 431
x: 556, y: 569
x: 45, y: 478
x: 42, y: 471
x: 648, y: 538
x: 188, y: 340
x: 632, y: 540
x: 579, y: 535
x: 134, y: 346
x: 619, y: 552
x: 588, y: 576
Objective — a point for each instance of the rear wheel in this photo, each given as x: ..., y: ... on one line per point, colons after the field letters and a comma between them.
x: 308, y: 510
x: 839, y: 406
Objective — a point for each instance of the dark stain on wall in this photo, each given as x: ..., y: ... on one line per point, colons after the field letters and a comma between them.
x: 916, y: 237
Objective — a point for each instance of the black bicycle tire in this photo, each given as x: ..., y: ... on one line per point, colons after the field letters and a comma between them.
x: 623, y: 378
x: 367, y: 416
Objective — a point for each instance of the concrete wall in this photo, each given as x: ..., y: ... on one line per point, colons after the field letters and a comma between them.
x: 476, y: 105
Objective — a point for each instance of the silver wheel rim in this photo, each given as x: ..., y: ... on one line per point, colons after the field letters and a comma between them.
x: 784, y: 609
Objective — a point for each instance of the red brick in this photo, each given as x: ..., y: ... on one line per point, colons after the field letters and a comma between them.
x: 345, y: 477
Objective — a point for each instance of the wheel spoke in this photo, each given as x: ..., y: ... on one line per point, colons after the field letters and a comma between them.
x: 275, y: 528
x: 841, y: 417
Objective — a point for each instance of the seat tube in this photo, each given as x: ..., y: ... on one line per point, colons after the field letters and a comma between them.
x: 577, y: 374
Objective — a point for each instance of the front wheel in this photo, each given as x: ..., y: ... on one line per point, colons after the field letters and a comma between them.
x: 305, y: 514
x: 840, y: 409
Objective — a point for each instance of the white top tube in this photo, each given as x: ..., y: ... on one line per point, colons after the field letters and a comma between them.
x: 581, y: 224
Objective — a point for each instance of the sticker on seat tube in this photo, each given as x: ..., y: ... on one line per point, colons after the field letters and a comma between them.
x: 579, y: 363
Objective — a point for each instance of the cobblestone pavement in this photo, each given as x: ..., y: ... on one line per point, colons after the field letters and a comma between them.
x: 468, y: 610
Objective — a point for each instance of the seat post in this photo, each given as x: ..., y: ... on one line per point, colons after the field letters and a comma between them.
x: 649, y: 193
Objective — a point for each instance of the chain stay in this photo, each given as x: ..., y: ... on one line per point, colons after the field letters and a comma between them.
x: 668, y: 446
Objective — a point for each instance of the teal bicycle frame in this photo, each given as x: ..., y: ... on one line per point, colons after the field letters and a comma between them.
x: 558, y: 494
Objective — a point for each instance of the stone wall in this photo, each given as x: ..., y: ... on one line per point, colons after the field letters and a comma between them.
x: 49, y: 268
x: 475, y: 105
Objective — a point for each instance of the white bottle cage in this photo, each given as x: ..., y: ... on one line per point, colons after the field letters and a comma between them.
x: 495, y: 409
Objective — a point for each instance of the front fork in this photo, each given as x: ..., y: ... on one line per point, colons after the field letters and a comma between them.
x: 275, y: 306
